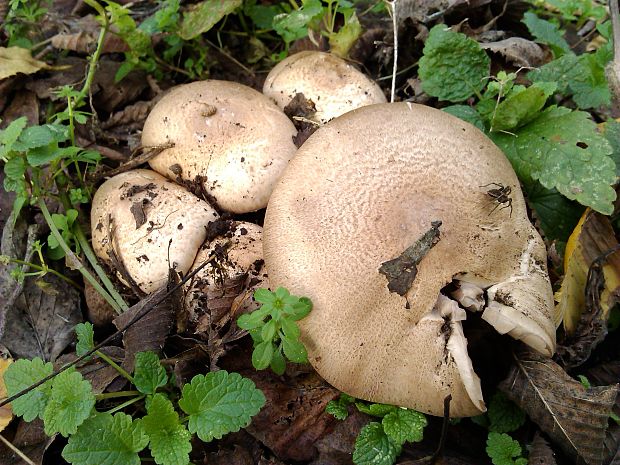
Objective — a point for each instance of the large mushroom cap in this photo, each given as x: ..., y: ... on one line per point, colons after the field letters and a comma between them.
x: 334, y: 86
x: 362, y: 190
x: 227, y: 137
x: 145, y: 224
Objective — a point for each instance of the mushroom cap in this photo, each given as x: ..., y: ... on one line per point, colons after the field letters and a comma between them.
x: 361, y: 190
x: 148, y: 224
x: 334, y: 85
x: 228, y: 138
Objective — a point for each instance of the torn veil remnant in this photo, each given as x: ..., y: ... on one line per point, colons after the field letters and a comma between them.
x: 380, y: 175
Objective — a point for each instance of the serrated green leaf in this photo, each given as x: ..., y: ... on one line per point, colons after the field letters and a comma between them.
x: 36, y: 136
x: 561, y: 149
x: 10, y: 134
x: 377, y: 410
x: 589, y: 83
x: 522, y: 107
x: 374, y: 447
x: 546, y: 33
x: 23, y: 374
x: 262, y: 354
x: 294, y: 350
x: 404, y: 425
x: 252, y: 320
x: 299, y: 309
x: 169, y: 441
x: 290, y: 329
x: 204, y: 15
x: 104, y: 439
x: 15, y: 168
x: 278, y: 363
x: 502, y: 449
x: 466, y: 113
x: 71, y: 402
x: 611, y: 131
x: 504, y: 415
x: 85, y: 338
x: 294, y: 25
x: 338, y: 409
x: 454, y: 67
x: 149, y: 374
x: 561, y: 71
x: 220, y: 403
x: 261, y: 15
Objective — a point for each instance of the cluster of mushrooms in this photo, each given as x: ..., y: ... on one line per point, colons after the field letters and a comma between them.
x: 383, y: 218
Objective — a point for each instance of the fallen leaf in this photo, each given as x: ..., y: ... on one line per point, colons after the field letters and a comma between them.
x: 6, y: 412
x: 14, y: 60
x: 31, y: 439
x: 336, y: 447
x: 574, y: 417
x: 519, y: 51
x: 541, y: 452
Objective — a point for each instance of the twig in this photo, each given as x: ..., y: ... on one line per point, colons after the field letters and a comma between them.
x: 16, y: 450
x: 444, y: 430
x: 394, y: 12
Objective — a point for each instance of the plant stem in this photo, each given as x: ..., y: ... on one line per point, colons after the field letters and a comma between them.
x: 95, y: 58
x: 74, y: 260
x: 45, y: 269
x: 125, y: 404
x: 114, y: 395
x: 115, y: 365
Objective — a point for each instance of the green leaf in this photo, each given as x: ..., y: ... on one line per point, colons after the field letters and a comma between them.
x: 252, y: 320
x: 290, y: 329
x: 261, y: 15
x: 612, y: 134
x: 169, y: 441
x: 104, y: 439
x: 269, y: 330
x: 294, y: 25
x: 522, y: 107
x: 204, y: 15
x: 36, y: 136
x: 149, y: 374
x: 262, y: 354
x: 546, y: 33
x: 589, y: 83
x: 278, y: 363
x: 562, y: 149
x: 15, y: 168
x: 10, y: 134
x: 85, y: 338
x: 466, y: 113
x: 377, y: 410
x: 264, y: 296
x: 454, y: 67
x: 341, y: 42
x: 339, y: 408
x: 502, y: 449
x: 71, y: 402
x: 300, y: 309
x: 374, y: 447
x: 561, y: 71
x: 220, y: 403
x: 21, y: 375
x: 504, y: 415
x: 294, y: 350
x: 404, y: 425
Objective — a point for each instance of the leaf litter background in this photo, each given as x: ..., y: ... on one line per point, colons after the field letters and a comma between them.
x: 567, y: 421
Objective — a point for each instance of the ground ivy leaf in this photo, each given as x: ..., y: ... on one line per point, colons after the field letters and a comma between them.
x: 466, y: 113
x: 502, y: 449
x: 85, y: 338
x: 589, y: 83
x: 338, y: 408
x: 220, y: 403
x: 454, y: 66
x: 149, y: 374
x: 71, y: 402
x: 546, y: 33
x: 104, y: 439
x: 612, y: 134
x: 522, y: 107
x: 294, y: 25
x: 204, y: 15
x: 21, y: 375
x: 504, y: 415
x: 561, y: 71
x: 374, y: 447
x: 377, y: 410
x: 404, y: 425
x: 561, y: 149
x: 169, y: 441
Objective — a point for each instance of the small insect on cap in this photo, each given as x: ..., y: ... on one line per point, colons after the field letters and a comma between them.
x: 380, y: 210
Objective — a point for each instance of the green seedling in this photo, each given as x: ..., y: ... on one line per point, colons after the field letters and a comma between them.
x: 503, y: 450
x: 209, y: 406
x: 274, y: 329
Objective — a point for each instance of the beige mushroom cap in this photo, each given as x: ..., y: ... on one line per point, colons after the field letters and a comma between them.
x: 149, y: 224
x: 379, y: 176
x: 227, y: 137
x: 334, y: 85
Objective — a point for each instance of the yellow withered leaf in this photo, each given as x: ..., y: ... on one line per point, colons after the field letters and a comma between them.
x: 14, y: 60
x: 592, y: 238
x: 6, y: 412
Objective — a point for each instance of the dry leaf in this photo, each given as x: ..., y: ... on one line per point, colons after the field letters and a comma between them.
x: 6, y: 412
x: 574, y: 417
x: 592, y: 238
x: 519, y: 51
x: 541, y: 452
x: 14, y: 60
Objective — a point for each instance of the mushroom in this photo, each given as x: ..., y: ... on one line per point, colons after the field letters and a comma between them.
x: 333, y: 85
x: 143, y: 224
x: 396, y: 209
x: 237, y: 263
x: 228, y: 139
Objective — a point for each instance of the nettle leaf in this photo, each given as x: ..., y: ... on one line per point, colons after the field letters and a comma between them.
x: 521, y: 107
x: 85, y: 338
x: 503, y: 450
x: 104, y: 439
x: 546, y: 33
x: 220, y: 403
x: 612, y: 134
x: 71, y: 402
x: 202, y: 16
x: 337, y: 408
x: 504, y: 415
x: 294, y: 25
x: 21, y: 375
x: 149, y: 374
x: 561, y: 149
x: 15, y: 168
x: 404, y: 425
x: 561, y: 71
x: 377, y: 410
x: 169, y: 441
x: 454, y: 67
x: 466, y: 113
x: 374, y: 447
x: 10, y: 134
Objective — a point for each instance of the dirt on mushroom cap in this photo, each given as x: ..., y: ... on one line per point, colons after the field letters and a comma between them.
x: 380, y: 176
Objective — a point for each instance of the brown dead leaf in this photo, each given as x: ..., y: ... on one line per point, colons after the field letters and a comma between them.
x: 15, y: 60
x: 6, y: 412
x: 31, y: 439
x: 541, y: 452
x: 336, y: 447
x: 24, y: 103
x: 519, y: 51
x: 574, y: 417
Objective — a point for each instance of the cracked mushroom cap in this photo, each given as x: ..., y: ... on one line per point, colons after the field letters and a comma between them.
x: 334, y: 86
x: 228, y: 138
x: 383, y: 177
x: 142, y: 224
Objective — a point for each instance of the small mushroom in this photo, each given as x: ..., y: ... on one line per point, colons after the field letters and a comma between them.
x: 333, y: 85
x: 143, y: 224
x: 396, y: 209
x: 229, y: 140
